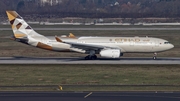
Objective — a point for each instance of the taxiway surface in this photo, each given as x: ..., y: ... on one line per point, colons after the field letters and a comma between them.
x: 79, y: 60
x: 90, y: 96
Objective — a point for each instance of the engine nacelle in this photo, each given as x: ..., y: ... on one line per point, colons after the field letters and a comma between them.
x: 110, y: 53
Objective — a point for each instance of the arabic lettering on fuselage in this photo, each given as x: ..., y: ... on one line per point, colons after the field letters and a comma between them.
x: 127, y: 40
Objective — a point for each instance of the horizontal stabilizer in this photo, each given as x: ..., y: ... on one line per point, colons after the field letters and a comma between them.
x: 58, y: 39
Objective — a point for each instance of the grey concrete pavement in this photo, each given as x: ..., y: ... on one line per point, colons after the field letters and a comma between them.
x: 90, y: 96
x: 79, y: 60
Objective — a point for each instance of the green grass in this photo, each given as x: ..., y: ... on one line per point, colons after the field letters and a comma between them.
x: 92, y: 74
x: 89, y: 88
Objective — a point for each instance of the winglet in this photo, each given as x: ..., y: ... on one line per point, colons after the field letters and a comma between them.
x: 71, y: 35
x: 58, y: 39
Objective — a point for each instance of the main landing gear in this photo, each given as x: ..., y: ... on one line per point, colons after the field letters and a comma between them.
x: 91, y: 55
x: 155, y: 56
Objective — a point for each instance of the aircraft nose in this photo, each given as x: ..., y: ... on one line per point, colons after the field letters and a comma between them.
x: 171, y: 46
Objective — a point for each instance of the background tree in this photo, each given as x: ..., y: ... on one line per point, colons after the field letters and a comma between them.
x: 95, y: 8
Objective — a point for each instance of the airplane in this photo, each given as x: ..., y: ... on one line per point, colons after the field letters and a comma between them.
x: 107, y: 47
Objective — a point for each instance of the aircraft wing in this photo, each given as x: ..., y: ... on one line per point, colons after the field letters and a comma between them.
x: 85, y: 46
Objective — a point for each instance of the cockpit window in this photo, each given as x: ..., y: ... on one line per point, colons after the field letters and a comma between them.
x: 166, y: 42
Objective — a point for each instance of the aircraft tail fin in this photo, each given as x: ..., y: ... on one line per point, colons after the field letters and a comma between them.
x: 20, y: 28
x: 71, y: 35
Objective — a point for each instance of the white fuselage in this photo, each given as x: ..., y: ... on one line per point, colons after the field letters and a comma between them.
x: 125, y: 44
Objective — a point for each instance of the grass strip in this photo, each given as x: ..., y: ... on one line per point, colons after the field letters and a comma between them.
x: 19, y: 75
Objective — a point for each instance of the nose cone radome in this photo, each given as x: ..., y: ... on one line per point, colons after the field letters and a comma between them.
x: 171, y: 46
x: 167, y: 47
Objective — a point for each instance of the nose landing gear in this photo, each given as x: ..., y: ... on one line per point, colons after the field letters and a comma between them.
x: 155, y: 56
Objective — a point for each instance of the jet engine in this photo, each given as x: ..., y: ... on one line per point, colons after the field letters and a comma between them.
x: 110, y: 53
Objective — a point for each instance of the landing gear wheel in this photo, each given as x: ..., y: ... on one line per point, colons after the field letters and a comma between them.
x: 154, y: 58
x: 91, y: 57
x: 87, y: 57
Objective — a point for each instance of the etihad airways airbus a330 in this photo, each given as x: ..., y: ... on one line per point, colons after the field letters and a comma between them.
x: 109, y: 47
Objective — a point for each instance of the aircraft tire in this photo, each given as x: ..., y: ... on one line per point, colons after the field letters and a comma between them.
x: 87, y: 57
x: 94, y: 57
x: 91, y: 57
